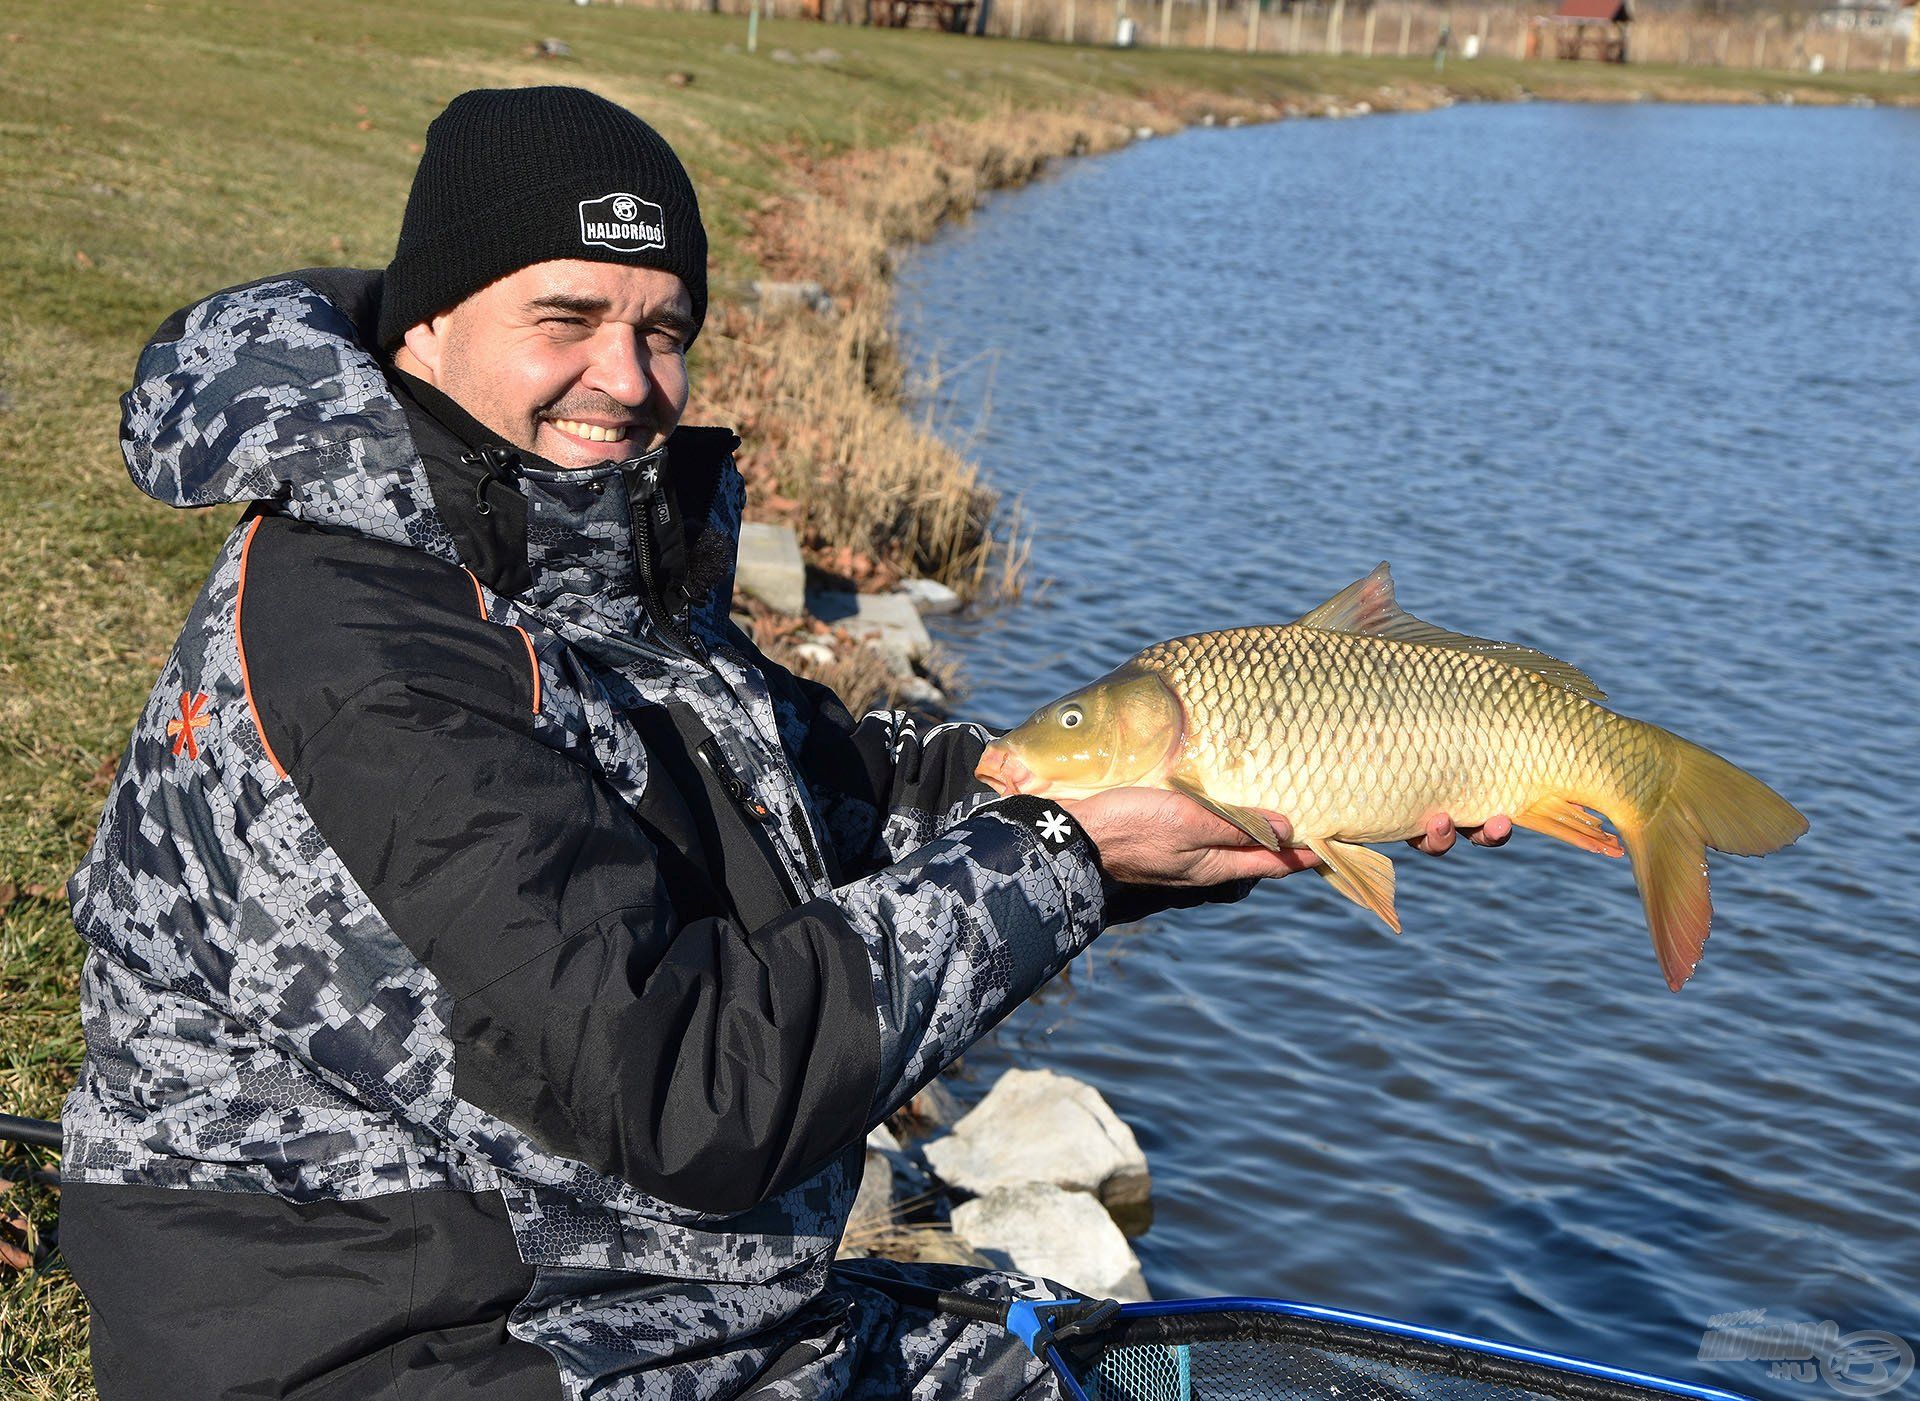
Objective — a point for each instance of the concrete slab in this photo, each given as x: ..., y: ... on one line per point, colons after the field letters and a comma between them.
x: 888, y: 621
x: 770, y: 566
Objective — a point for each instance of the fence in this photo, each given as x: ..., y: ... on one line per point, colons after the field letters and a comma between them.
x: 1396, y: 27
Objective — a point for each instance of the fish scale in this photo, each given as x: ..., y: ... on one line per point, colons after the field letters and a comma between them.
x: 1362, y: 738
x: 1359, y: 722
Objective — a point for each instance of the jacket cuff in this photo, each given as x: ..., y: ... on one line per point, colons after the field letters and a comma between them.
x: 1071, y: 856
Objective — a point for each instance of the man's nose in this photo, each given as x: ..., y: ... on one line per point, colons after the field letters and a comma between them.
x: 619, y: 368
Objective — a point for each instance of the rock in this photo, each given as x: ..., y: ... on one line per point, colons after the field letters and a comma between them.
x: 1038, y: 1126
x: 888, y: 621
x: 880, y: 1139
x: 810, y: 295
x: 1063, y: 1236
x: 931, y: 596
x: 1143, y: 133
x: 919, y: 693
x: 770, y: 566
x: 824, y: 56
x: 814, y: 653
x: 784, y: 56
x: 935, y: 1106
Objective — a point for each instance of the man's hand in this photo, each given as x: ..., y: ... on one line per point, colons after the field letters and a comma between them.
x: 1149, y: 837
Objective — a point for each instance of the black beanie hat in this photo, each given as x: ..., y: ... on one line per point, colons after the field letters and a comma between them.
x: 515, y: 176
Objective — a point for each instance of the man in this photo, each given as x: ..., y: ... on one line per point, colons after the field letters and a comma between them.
x: 496, y: 962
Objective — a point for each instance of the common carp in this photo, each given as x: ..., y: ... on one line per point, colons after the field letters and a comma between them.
x: 1359, y: 721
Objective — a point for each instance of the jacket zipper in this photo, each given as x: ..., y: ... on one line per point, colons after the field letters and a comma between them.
x: 642, y: 476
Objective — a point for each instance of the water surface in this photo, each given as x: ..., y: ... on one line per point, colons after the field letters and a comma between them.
x: 1639, y: 386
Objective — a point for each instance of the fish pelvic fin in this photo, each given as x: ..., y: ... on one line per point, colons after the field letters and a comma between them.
x: 1565, y: 820
x: 1246, y: 819
x: 1708, y: 803
x: 1360, y: 873
x: 1368, y: 606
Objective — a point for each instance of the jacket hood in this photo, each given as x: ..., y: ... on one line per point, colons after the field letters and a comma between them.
x: 271, y: 392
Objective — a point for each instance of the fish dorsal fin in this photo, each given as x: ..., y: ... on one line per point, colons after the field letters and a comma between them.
x: 1368, y: 606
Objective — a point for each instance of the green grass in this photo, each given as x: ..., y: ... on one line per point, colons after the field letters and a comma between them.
x: 150, y: 153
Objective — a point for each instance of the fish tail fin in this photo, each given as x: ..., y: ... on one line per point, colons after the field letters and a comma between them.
x: 1708, y: 802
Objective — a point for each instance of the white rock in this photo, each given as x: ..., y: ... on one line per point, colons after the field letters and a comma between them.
x: 770, y: 566
x: 920, y: 692
x: 810, y: 295
x: 1062, y: 1236
x: 888, y: 621
x: 1039, y: 1126
x: 930, y: 596
x: 814, y: 653
x: 881, y: 1139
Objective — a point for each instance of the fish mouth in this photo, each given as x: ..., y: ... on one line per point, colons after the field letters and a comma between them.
x: 1006, y: 773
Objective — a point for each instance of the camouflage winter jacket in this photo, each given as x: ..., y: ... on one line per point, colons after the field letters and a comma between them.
x: 475, y: 910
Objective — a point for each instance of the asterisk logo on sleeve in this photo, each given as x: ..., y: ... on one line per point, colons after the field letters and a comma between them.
x: 181, y: 731
x: 1054, y: 828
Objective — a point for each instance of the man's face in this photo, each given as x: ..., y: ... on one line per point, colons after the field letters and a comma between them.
x: 579, y: 362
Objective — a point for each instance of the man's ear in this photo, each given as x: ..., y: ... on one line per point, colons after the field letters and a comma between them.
x: 423, y: 348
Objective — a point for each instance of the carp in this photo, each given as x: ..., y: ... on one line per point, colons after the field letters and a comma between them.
x: 1359, y: 721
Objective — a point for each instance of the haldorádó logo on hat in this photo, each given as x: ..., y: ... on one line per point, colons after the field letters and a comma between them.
x: 625, y: 223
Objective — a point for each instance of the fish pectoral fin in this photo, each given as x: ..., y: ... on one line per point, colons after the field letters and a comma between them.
x: 1565, y: 820
x: 1246, y: 819
x: 1360, y: 873
x: 1369, y: 606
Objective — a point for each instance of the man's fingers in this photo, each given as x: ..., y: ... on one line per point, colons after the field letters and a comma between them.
x: 1437, y: 840
x: 1255, y: 863
x: 1494, y: 833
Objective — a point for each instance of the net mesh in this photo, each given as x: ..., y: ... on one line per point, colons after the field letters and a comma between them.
x: 1261, y: 1358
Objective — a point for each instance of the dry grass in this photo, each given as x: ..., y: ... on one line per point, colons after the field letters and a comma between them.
x: 874, y: 493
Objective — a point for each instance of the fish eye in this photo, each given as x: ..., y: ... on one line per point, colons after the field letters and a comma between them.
x: 1070, y: 717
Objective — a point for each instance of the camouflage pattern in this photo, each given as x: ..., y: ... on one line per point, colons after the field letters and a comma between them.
x: 253, y: 1024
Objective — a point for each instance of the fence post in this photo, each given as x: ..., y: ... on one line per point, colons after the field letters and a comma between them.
x: 1213, y: 20
x: 1406, y: 28
x: 1335, y: 18
x: 1760, y: 47
x: 1072, y: 21
x: 1253, y: 26
x: 1166, y: 23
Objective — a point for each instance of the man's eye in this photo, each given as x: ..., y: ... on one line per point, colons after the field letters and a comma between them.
x: 563, y: 321
x: 666, y: 343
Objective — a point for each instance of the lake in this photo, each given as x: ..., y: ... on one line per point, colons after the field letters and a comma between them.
x: 1636, y: 385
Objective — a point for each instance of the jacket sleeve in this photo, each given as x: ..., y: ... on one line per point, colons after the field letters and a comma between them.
x: 706, y: 1066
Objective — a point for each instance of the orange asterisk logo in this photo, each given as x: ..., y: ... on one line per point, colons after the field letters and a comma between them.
x: 181, y: 731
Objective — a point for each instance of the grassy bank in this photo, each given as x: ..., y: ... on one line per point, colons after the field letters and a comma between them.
x: 152, y: 153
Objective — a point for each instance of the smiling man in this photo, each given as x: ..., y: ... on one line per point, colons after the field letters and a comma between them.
x: 496, y: 963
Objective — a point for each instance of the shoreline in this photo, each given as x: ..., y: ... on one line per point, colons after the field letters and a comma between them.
x: 882, y: 202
